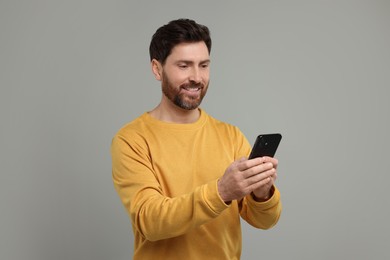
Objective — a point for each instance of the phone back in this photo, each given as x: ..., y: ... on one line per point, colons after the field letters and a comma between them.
x: 265, y: 145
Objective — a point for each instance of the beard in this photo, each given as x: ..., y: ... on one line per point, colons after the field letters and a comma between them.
x: 183, y: 100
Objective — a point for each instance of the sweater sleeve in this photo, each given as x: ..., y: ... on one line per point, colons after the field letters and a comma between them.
x: 262, y: 215
x: 154, y: 215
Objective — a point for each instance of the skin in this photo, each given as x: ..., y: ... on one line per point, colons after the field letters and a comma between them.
x: 184, y: 79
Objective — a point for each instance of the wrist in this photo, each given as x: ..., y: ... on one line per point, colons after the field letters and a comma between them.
x: 260, y: 199
x: 263, y: 198
x: 221, y: 193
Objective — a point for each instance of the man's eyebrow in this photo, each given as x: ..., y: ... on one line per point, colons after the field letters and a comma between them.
x: 192, y: 62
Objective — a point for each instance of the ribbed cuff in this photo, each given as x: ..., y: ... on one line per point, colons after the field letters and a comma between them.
x: 212, y: 198
x: 272, y: 201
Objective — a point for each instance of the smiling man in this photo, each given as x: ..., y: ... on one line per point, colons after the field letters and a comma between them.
x: 184, y: 77
x: 181, y: 174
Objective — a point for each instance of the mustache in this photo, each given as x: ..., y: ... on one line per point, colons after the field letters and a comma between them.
x: 192, y: 85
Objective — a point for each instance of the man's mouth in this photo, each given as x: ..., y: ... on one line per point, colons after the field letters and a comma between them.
x: 192, y: 89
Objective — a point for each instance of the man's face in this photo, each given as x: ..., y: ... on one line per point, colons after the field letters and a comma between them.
x: 185, y: 75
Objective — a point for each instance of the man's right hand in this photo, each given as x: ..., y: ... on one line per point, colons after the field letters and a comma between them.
x: 244, y: 176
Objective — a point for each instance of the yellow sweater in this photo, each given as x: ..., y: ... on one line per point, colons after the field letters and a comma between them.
x: 166, y: 176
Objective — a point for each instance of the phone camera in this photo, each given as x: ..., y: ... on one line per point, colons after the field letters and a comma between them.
x: 264, y: 142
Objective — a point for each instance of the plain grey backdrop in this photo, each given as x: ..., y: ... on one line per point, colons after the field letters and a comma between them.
x: 73, y: 72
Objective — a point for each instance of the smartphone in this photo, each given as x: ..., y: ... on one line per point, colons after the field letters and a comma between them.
x: 265, y: 145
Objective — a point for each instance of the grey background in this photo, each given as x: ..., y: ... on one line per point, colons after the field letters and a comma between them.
x: 73, y: 72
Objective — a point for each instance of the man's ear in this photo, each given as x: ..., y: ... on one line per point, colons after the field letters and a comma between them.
x: 157, y: 69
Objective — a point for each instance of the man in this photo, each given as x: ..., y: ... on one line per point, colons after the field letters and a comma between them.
x: 181, y: 174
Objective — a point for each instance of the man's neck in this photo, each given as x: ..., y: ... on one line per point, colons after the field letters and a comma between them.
x: 175, y: 114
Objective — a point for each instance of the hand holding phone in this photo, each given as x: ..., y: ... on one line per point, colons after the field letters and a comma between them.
x: 265, y: 145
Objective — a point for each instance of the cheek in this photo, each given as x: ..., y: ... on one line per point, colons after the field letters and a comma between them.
x: 178, y: 77
x: 206, y: 81
x: 206, y: 75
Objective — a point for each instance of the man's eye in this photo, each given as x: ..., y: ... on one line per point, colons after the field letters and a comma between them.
x: 183, y: 66
x: 205, y: 66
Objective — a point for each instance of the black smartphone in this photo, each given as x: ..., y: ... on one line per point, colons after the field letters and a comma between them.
x: 265, y: 145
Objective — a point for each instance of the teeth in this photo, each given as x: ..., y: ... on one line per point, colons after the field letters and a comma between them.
x: 192, y: 89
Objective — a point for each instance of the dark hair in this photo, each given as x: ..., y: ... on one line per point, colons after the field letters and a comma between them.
x: 177, y: 31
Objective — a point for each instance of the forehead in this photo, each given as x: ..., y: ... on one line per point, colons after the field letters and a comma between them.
x: 191, y: 51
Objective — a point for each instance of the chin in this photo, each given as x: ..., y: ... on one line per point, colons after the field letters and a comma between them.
x: 187, y: 105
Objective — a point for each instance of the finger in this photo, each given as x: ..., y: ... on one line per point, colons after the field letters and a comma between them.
x: 274, y: 177
x: 269, y: 174
x: 238, y: 163
x: 247, y: 164
x: 262, y: 183
x: 272, y: 181
x: 272, y: 160
x: 257, y: 169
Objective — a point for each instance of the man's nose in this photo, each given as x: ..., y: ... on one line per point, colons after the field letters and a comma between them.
x: 195, y: 76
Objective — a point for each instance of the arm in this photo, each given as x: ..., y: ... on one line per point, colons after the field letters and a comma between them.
x: 154, y: 215
x: 252, y: 183
x: 262, y: 208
